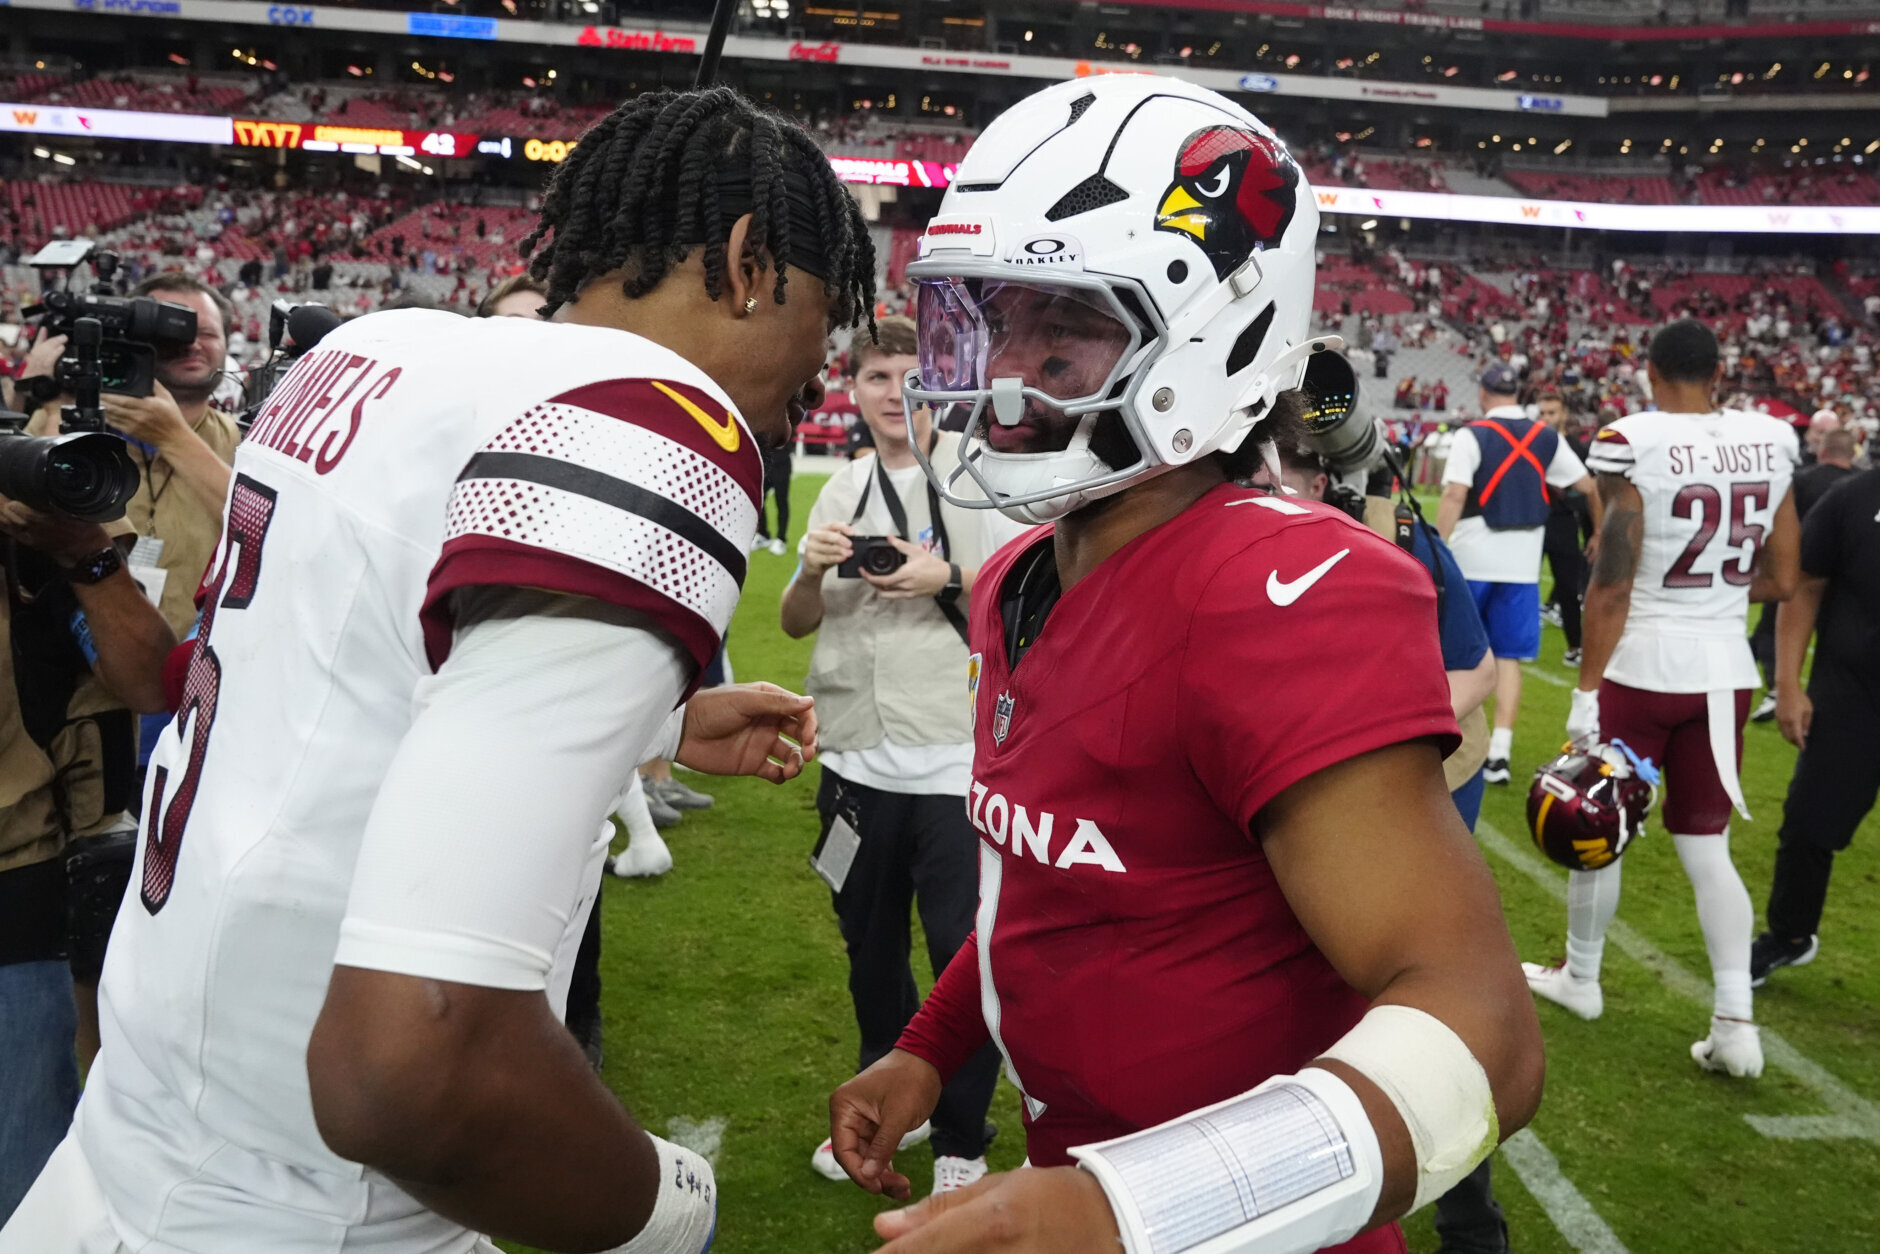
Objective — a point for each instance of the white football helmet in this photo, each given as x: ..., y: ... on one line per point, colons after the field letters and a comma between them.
x: 1128, y: 243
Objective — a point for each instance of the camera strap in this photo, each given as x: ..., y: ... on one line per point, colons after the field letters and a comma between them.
x: 898, y: 515
x: 1408, y: 519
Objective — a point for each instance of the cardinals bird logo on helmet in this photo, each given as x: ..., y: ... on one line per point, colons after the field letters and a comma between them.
x: 1590, y: 803
x: 1234, y: 190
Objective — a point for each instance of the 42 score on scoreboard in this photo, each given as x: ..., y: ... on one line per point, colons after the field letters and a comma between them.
x: 317, y: 137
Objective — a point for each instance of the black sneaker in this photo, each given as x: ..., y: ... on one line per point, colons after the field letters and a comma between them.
x: 1570, y: 658
x: 1495, y: 771
x: 1769, y: 951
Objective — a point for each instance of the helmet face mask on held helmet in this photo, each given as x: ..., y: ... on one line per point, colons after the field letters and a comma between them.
x: 1588, y: 804
x: 1132, y: 245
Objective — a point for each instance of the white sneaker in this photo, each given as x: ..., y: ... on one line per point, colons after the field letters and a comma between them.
x: 759, y: 543
x: 1733, y: 1047
x: 643, y: 858
x: 775, y: 546
x: 950, y: 1173
x: 823, y: 1161
x: 1560, y: 986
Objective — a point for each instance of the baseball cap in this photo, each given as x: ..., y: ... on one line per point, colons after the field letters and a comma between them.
x: 1501, y: 380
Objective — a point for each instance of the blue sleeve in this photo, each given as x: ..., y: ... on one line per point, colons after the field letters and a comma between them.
x: 1464, y: 640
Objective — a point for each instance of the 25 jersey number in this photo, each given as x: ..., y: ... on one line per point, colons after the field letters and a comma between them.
x: 251, y: 509
x: 1703, y: 502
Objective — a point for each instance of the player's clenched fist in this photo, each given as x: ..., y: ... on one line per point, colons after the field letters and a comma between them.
x: 825, y: 547
x: 1052, y: 1210
x: 870, y: 1114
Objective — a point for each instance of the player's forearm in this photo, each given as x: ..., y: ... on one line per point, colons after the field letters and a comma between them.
x: 1795, y: 626
x: 1602, y: 622
x: 506, y: 1131
x: 131, y: 638
x: 802, y: 605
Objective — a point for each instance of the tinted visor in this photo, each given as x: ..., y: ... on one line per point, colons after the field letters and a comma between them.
x: 1065, y: 341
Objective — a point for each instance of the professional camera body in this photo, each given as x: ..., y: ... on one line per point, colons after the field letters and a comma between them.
x: 86, y: 472
x: 874, y: 555
x: 134, y: 328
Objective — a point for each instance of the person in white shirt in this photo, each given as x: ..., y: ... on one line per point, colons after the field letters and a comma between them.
x: 890, y: 673
x: 1493, y: 514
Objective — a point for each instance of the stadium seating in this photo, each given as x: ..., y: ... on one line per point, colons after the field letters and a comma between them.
x: 46, y: 210
x: 1633, y: 189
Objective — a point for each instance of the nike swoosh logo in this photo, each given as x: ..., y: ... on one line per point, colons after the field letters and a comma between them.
x: 1287, y: 593
x: 725, y: 433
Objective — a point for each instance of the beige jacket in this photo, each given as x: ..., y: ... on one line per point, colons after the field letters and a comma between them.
x: 891, y: 668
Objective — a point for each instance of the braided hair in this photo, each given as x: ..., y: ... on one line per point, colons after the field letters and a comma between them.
x: 641, y: 191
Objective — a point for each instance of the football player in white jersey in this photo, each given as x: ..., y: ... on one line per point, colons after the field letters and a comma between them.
x: 1699, y: 523
x: 470, y: 571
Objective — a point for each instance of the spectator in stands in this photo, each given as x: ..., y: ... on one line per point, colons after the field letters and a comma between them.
x: 895, y: 728
x: 1493, y: 514
x: 518, y: 296
x: 1835, y: 723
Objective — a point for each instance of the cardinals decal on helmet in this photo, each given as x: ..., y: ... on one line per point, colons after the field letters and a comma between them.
x: 1234, y: 190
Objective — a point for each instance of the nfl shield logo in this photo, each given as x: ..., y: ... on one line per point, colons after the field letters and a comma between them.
x: 1001, y: 718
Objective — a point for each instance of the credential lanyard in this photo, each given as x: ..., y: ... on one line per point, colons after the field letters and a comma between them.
x: 897, y: 514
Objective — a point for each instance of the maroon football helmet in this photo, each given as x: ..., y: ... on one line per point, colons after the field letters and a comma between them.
x: 1589, y: 803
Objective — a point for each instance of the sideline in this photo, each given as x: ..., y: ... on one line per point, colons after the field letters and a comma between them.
x: 1853, y: 1117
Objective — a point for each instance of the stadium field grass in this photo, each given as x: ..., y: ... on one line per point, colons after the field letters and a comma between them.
x: 725, y: 999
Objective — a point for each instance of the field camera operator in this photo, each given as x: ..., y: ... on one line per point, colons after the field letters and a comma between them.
x: 162, y: 363
x: 79, y: 642
x: 885, y: 577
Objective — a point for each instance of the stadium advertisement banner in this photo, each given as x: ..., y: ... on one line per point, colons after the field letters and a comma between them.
x: 746, y: 47
x: 1590, y: 216
x: 39, y: 119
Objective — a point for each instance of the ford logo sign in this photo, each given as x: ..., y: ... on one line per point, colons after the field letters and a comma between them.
x: 1258, y: 82
x: 1546, y: 104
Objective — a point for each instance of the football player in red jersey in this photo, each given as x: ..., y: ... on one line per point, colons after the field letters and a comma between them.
x: 1236, y: 946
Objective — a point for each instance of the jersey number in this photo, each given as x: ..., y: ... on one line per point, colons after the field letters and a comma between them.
x: 251, y: 508
x: 1704, y: 503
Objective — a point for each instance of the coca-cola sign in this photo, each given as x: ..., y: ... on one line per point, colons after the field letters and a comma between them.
x: 829, y: 52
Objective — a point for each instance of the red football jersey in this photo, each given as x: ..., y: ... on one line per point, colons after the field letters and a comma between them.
x: 1134, y: 957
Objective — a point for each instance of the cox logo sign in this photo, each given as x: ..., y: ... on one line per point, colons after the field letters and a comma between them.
x: 1258, y: 82
x: 289, y: 15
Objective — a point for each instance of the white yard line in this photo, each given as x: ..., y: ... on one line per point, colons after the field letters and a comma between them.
x: 1535, y: 672
x: 1570, y: 1212
x: 1853, y: 1117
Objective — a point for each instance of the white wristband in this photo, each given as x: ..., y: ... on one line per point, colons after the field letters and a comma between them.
x: 1435, y: 1083
x: 1288, y: 1167
x: 685, y: 1216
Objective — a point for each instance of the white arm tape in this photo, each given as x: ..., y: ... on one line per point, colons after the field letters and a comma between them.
x: 685, y: 1216
x: 1436, y: 1085
x: 1288, y: 1167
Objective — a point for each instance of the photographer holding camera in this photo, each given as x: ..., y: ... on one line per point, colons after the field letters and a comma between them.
x: 78, y: 642
x: 181, y: 447
x: 885, y: 575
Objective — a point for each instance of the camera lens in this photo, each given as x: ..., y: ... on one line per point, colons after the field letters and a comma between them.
x: 882, y: 559
x: 89, y: 476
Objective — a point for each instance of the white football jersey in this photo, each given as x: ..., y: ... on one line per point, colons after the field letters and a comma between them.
x: 411, y: 454
x: 1711, y: 484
